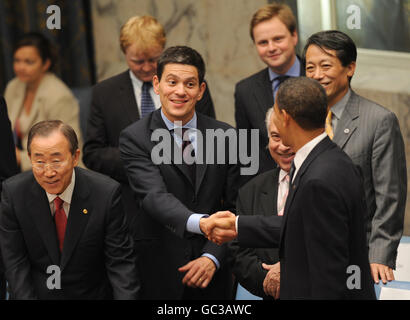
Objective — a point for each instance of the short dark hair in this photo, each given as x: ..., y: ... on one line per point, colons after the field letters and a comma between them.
x: 181, y: 55
x: 46, y: 127
x: 41, y: 43
x: 304, y: 100
x: 344, y: 46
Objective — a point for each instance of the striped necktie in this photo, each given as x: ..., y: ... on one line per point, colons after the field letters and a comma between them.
x: 147, y: 105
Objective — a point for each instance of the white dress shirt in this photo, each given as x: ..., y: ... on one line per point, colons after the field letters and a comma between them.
x: 137, y: 86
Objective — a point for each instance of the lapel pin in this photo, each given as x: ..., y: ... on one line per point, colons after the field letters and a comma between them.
x: 346, y: 131
x: 85, y: 211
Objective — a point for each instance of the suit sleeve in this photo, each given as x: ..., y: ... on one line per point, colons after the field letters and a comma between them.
x: 259, y: 231
x: 206, y: 105
x: 14, y: 253
x: 326, y: 237
x: 99, y: 155
x: 8, y: 164
x: 389, y: 175
x: 120, y: 258
x: 148, y: 184
x: 246, y: 265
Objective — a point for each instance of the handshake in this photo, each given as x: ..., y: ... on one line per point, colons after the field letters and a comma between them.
x: 219, y: 227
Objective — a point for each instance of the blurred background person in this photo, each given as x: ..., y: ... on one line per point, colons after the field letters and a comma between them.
x: 36, y: 93
x: 8, y: 167
x: 119, y: 101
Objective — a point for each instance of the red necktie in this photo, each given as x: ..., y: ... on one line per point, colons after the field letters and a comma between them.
x: 60, y: 219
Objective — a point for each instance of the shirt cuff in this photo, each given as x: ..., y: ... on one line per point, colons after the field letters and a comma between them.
x: 215, y: 260
x: 192, y: 224
x: 236, y: 224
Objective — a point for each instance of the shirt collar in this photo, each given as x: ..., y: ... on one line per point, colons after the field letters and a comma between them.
x: 340, y: 106
x: 294, y: 71
x: 282, y: 175
x: 135, y: 81
x: 303, y: 152
x: 191, y: 124
x: 67, y: 194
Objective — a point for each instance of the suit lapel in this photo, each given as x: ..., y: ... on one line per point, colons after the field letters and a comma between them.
x: 348, y: 122
x: 80, y: 211
x: 269, y: 194
x: 127, y: 97
x: 263, y: 92
x: 317, y: 150
x: 39, y: 208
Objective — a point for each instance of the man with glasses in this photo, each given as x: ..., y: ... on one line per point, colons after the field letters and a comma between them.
x: 63, y: 231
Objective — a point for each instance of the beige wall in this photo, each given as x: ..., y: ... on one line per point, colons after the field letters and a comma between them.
x: 219, y: 30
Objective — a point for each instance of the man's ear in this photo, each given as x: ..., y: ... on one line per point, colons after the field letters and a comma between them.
x: 286, y: 117
x: 76, y: 157
x: 202, y: 88
x: 155, y: 84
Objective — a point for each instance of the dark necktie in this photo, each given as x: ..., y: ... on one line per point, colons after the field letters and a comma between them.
x: 291, y: 173
x: 277, y: 82
x: 147, y: 105
x: 186, y: 152
x: 60, y: 219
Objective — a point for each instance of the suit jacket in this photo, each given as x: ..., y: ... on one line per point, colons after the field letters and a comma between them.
x: 323, y: 231
x: 370, y: 135
x: 253, y: 98
x: 53, y: 101
x: 257, y: 197
x: 168, y: 196
x: 8, y: 164
x: 97, y: 261
x: 113, y: 108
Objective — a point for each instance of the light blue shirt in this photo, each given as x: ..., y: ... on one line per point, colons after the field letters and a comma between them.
x: 338, y: 108
x: 192, y: 224
x: 294, y: 71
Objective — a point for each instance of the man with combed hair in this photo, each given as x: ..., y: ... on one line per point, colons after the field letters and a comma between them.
x: 273, y: 31
x: 176, y: 263
x: 370, y: 135
x: 63, y: 232
x: 125, y: 98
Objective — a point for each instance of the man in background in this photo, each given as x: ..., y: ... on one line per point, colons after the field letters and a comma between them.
x: 370, y: 135
x: 125, y: 98
x: 273, y: 31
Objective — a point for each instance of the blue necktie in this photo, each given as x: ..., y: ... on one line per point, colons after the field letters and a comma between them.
x: 147, y: 105
x: 277, y: 82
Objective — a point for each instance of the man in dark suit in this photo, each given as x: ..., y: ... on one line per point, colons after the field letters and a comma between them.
x: 63, y: 232
x: 176, y: 263
x: 273, y: 31
x: 118, y: 102
x: 257, y: 269
x: 370, y: 135
x: 8, y: 168
x: 322, y: 251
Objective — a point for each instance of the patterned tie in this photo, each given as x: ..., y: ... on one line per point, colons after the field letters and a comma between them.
x: 282, y: 202
x: 186, y: 152
x: 328, y: 125
x: 60, y: 219
x: 147, y: 105
x: 277, y: 82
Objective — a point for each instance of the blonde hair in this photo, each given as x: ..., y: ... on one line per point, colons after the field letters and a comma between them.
x: 144, y: 31
x: 280, y: 10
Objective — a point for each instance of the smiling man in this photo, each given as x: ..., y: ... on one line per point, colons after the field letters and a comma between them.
x: 273, y: 31
x: 59, y: 217
x: 175, y: 261
x: 370, y: 135
x: 257, y: 270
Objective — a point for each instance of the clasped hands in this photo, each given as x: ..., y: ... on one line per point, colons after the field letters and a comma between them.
x: 219, y: 227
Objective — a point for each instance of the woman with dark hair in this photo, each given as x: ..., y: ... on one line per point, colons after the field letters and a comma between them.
x: 36, y: 94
